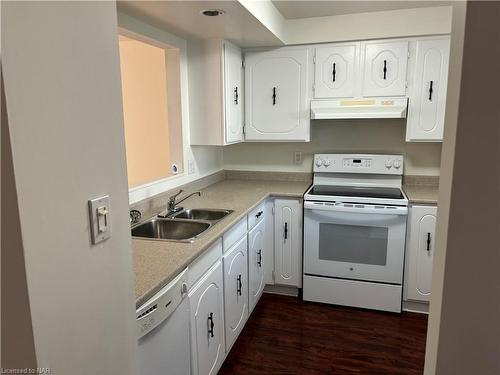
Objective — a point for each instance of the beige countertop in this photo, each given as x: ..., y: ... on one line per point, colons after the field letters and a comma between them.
x: 156, y: 263
x: 421, y: 194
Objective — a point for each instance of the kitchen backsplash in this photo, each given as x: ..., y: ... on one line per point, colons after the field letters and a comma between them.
x: 337, y: 136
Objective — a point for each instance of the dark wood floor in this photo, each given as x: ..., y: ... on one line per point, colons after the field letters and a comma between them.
x: 285, y: 335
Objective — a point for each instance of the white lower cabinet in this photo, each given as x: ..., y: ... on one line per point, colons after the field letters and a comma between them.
x: 288, y: 242
x: 268, y: 259
x: 256, y: 256
x: 235, y: 290
x: 421, y: 234
x: 226, y: 286
x: 207, y: 322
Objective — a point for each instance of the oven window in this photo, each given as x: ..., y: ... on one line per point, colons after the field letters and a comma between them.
x: 353, y: 244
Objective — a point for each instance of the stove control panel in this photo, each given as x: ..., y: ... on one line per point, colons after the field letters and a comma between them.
x: 358, y: 163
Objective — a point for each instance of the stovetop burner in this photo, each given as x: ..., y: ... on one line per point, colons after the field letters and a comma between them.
x: 357, y: 191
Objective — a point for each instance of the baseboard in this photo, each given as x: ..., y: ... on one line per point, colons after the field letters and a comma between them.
x: 416, y: 307
x: 282, y: 289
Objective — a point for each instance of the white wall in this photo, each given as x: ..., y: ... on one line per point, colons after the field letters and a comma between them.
x: 268, y: 15
x: 373, y: 25
x: 357, y: 26
x: 207, y: 160
x: 16, y: 316
x: 464, y: 328
x: 1, y: 109
x: 62, y: 86
x: 446, y: 183
x: 328, y: 136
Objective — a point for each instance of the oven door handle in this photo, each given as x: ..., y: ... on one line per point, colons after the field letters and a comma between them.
x: 358, y: 208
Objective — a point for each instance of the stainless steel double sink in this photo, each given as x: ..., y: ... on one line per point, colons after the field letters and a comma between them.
x: 184, y: 226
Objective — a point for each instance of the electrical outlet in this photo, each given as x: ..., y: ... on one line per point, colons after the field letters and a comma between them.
x: 190, y: 166
x: 297, y: 157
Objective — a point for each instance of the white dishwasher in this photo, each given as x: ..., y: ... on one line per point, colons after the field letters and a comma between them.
x: 163, y: 331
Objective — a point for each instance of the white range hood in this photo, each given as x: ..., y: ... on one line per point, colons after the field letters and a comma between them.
x: 359, y: 108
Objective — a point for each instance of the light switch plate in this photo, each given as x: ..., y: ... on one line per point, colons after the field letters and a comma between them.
x: 99, y: 216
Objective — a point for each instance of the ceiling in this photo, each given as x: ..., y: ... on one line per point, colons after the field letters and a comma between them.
x: 183, y: 18
x: 306, y: 9
x: 239, y: 24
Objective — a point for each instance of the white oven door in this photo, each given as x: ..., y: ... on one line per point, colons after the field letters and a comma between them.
x: 354, y: 241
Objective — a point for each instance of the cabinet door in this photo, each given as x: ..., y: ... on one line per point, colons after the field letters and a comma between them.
x: 235, y: 291
x: 256, y: 256
x: 276, y: 94
x: 385, y: 68
x: 427, y: 102
x: 233, y: 93
x: 335, y: 71
x: 207, y: 322
x: 288, y: 242
x: 268, y: 259
x: 421, y: 235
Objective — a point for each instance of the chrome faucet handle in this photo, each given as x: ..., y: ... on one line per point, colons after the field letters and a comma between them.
x: 171, y: 199
x: 171, y: 204
x: 176, y: 195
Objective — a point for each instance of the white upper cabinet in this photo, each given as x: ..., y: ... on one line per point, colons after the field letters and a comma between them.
x: 420, y: 252
x: 233, y: 93
x: 335, y: 70
x: 361, y: 69
x: 427, y: 101
x: 216, y: 94
x: 384, y: 72
x: 277, y: 95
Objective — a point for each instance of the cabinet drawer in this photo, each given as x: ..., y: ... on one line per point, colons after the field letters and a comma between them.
x: 234, y: 234
x: 256, y: 215
x: 203, y: 263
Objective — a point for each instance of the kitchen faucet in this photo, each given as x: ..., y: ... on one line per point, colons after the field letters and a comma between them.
x: 172, y: 203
